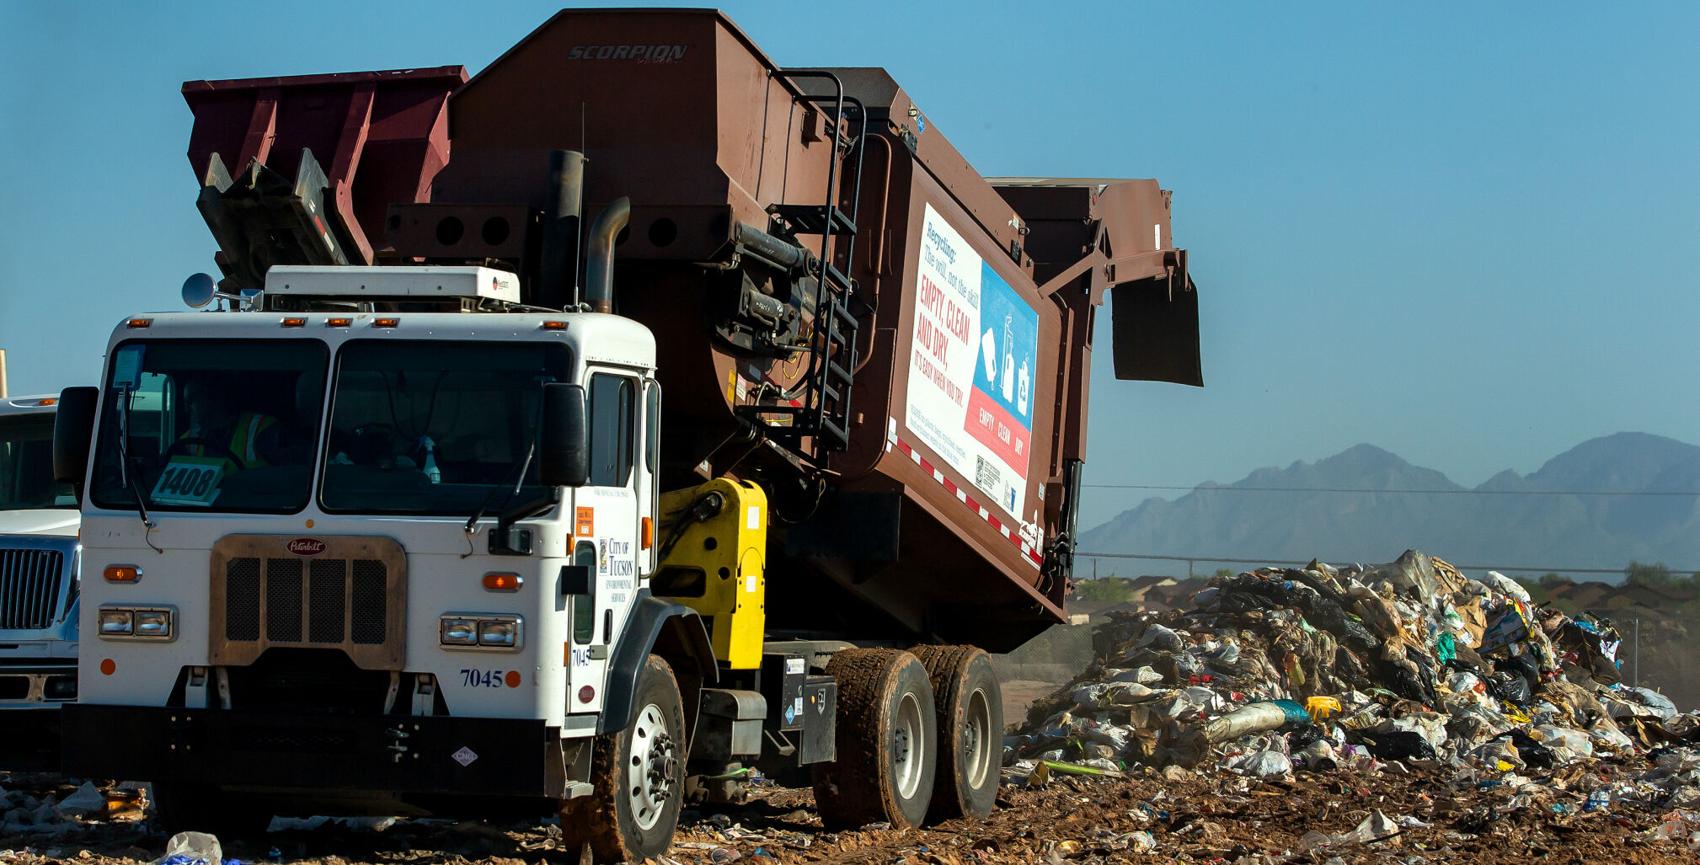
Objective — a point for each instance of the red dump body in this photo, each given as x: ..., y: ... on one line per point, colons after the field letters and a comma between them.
x: 946, y: 509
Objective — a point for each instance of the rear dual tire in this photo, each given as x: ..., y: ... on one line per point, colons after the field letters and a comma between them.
x: 970, y: 725
x: 886, y: 739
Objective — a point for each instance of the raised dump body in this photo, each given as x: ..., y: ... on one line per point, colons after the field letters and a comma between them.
x: 436, y: 524
x: 914, y: 408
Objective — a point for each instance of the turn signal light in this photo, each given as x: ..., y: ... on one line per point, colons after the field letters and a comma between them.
x: 385, y: 322
x: 122, y: 573
x: 295, y: 321
x: 648, y: 532
x: 138, y: 322
x: 503, y: 582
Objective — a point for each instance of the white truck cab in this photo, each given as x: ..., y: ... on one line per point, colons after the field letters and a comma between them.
x: 353, y: 526
x: 38, y: 586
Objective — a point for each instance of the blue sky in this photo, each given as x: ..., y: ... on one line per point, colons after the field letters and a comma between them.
x: 1463, y: 232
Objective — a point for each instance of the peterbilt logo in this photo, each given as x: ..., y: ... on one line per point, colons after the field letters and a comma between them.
x: 640, y: 53
x: 305, y: 546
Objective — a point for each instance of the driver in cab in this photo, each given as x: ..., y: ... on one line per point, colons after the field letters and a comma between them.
x: 217, y: 429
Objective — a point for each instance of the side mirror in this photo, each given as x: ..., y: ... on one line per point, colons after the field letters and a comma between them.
x: 73, y: 428
x: 575, y: 579
x: 565, y: 445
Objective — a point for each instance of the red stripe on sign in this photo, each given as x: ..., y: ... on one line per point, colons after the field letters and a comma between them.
x: 1029, y: 553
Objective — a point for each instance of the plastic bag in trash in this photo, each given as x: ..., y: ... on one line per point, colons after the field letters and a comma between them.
x: 1318, y: 756
x: 1658, y: 704
x: 1142, y: 675
x: 1507, y: 585
x: 1160, y: 638
x: 1606, y: 734
x: 1255, y: 718
x: 192, y: 848
x: 1377, y: 826
x: 1267, y: 764
x: 1510, y: 687
x: 1496, y: 752
x: 85, y: 802
x: 1567, y: 745
x: 1398, y: 745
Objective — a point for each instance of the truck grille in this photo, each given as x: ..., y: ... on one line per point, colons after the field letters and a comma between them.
x: 350, y: 596
x: 29, y: 588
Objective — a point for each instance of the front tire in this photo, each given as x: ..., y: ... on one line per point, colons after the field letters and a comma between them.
x: 886, y: 740
x: 638, y: 774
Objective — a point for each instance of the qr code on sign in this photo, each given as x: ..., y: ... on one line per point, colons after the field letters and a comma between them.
x: 986, y: 475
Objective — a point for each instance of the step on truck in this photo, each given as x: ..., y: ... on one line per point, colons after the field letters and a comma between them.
x: 591, y: 434
x: 38, y: 586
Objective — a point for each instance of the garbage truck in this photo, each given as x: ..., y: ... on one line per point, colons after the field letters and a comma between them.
x: 631, y: 420
x: 38, y: 586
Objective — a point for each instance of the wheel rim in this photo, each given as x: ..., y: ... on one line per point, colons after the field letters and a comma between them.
x: 908, y: 752
x: 977, y: 738
x: 652, y: 766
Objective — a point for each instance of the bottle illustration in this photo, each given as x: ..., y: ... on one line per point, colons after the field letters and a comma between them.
x: 989, y: 350
x: 1008, y: 359
x: 1023, y: 387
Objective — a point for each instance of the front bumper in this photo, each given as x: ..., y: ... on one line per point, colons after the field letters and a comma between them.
x: 37, y: 685
x: 328, y: 755
x: 29, y: 738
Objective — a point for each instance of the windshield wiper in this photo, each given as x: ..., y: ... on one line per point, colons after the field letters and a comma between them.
x: 124, y: 475
x: 502, y: 521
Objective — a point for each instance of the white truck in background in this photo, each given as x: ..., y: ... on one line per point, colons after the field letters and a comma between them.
x: 39, y: 555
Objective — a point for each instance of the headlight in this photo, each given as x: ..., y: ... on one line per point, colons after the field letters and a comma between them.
x: 116, y: 623
x: 498, y: 633
x: 492, y: 631
x: 61, y: 688
x: 458, y: 632
x: 137, y: 623
x: 153, y: 623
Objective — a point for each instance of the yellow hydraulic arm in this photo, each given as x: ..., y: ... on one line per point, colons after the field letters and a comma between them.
x: 713, y: 552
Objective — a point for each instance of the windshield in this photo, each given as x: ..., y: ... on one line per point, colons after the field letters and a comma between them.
x: 26, y: 465
x: 210, y: 424
x: 436, y: 427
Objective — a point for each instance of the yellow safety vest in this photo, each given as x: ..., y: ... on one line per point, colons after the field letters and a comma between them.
x: 244, y: 437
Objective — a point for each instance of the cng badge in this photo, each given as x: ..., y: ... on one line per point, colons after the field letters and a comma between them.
x: 305, y: 546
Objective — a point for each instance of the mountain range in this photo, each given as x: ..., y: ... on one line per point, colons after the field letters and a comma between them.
x: 1552, y: 518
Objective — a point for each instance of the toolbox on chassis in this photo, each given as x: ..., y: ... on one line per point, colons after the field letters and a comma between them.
x: 430, y: 517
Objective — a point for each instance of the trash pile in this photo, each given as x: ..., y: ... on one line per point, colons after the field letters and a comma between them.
x: 1384, y: 669
x: 61, y: 808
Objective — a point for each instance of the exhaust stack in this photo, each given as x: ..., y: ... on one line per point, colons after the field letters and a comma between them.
x: 561, y: 229
x: 599, y: 265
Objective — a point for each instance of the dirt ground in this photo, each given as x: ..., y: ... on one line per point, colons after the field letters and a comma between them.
x: 1192, y: 818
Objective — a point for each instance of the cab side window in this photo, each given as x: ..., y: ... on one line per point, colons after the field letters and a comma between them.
x: 613, y: 403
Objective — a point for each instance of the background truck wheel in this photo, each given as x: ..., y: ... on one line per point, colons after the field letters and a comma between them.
x: 886, y: 739
x: 970, y: 722
x: 192, y: 808
x: 639, y: 775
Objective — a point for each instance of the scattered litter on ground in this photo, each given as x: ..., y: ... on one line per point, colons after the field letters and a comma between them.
x: 1402, y: 713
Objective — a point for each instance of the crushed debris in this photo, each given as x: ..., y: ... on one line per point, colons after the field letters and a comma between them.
x: 1400, y: 713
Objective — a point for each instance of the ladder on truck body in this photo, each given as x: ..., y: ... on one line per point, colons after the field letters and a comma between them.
x: 822, y: 417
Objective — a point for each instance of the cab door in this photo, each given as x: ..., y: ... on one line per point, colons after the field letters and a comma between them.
x: 606, y: 527
x: 649, y: 479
